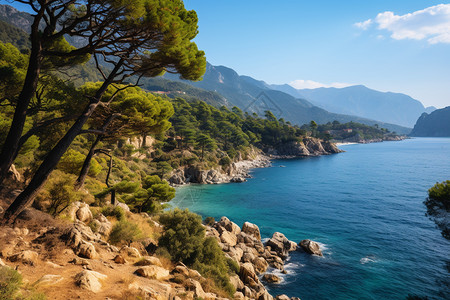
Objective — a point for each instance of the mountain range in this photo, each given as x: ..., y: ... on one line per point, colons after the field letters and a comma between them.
x: 222, y: 86
x: 361, y: 101
x: 257, y: 96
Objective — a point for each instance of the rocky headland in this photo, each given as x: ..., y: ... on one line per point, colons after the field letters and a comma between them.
x: 239, y: 170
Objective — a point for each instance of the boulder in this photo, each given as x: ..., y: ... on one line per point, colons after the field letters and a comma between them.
x: 260, y: 265
x: 2, y: 263
x: 153, y: 272
x: 104, y: 226
x: 148, y: 261
x: 272, y: 278
x: 194, y: 286
x: 228, y: 238
x: 90, y: 280
x: 27, y: 257
x: 280, y: 244
x: 87, y: 250
x: 49, y: 280
x: 247, y: 273
x: 119, y: 259
x: 238, y: 296
x: 236, y: 282
x: 265, y: 296
x: 230, y: 226
x: 282, y: 297
x: 251, y: 229
x: 310, y: 247
x: 84, y: 214
x: 236, y: 253
x: 130, y: 252
x: 123, y: 206
x: 155, y: 290
x: 248, y: 257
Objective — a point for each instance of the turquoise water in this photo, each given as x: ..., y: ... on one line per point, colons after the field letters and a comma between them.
x: 365, y: 207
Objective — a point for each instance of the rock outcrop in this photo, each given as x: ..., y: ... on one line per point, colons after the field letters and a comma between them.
x: 309, y: 146
x: 245, y: 247
x: 310, y: 247
x: 90, y: 280
x: 236, y: 172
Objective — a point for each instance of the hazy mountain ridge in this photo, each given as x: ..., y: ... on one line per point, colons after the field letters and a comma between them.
x: 435, y: 124
x: 359, y: 100
x: 254, y: 95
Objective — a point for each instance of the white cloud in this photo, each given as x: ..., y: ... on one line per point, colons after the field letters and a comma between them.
x: 310, y: 84
x: 364, y: 25
x: 432, y: 24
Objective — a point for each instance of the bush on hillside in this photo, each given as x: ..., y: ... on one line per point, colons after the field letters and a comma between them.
x: 184, y: 239
x: 124, y: 231
x: 58, y: 193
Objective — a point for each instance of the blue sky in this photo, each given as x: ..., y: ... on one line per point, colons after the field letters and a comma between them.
x: 332, y: 43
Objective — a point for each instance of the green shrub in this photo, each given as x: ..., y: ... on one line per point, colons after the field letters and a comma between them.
x: 58, y: 193
x: 116, y: 212
x: 124, y: 231
x: 184, y: 239
x: 225, y: 161
x: 183, y: 236
x: 439, y: 194
x: 10, y: 282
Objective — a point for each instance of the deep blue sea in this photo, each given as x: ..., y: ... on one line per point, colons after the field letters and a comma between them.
x: 364, y: 206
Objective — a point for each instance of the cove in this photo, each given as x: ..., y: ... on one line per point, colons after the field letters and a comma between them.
x: 364, y: 206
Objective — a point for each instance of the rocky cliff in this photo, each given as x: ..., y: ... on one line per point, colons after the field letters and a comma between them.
x: 306, y: 147
x: 436, y: 124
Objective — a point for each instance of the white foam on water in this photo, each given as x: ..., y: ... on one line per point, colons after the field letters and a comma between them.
x: 368, y: 259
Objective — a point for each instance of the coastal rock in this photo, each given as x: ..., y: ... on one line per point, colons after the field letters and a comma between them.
x: 236, y: 282
x: 251, y: 229
x: 238, y: 296
x: 282, y: 297
x: 247, y: 273
x: 260, y: 264
x: 280, y: 244
x: 265, y: 296
x: 310, y: 247
x: 228, y: 238
x: 90, y: 280
x: 271, y: 278
x: 230, y: 226
x: 153, y: 272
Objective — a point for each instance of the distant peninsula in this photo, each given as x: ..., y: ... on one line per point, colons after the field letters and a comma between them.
x: 435, y: 124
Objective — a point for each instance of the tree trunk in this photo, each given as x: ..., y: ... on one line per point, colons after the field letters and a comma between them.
x: 144, y: 141
x: 85, y: 169
x: 48, y: 165
x: 86, y: 165
x: 11, y: 144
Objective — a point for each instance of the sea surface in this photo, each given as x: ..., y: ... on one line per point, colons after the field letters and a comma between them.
x: 365, y: 207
